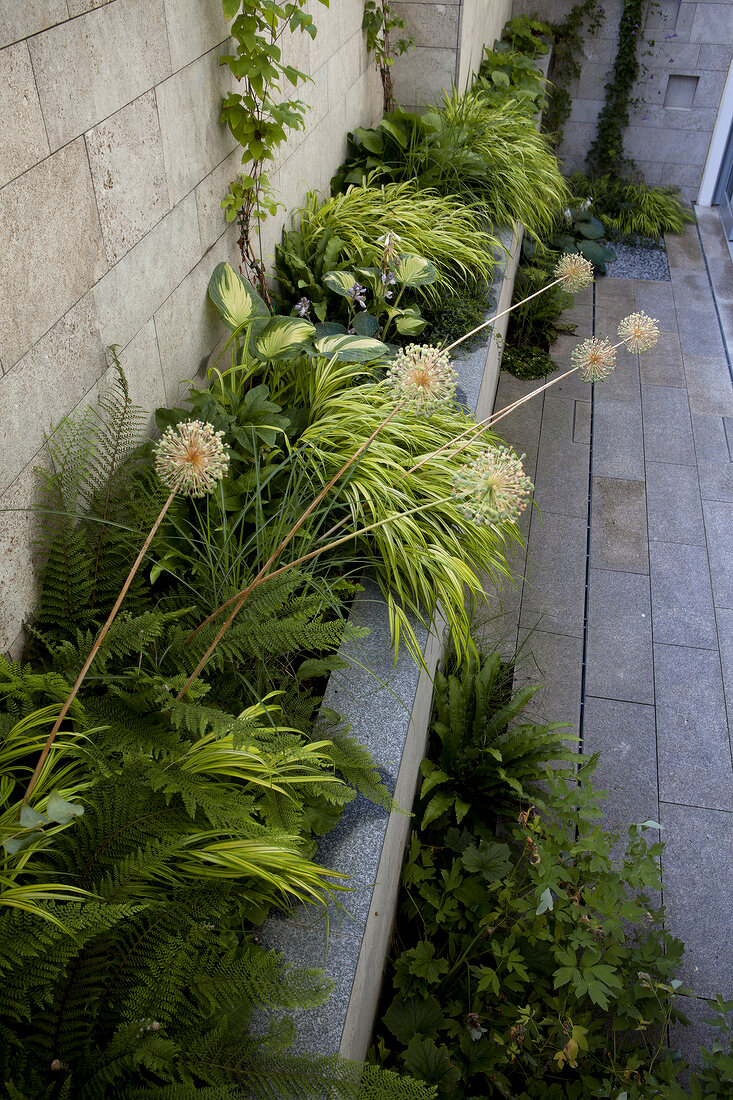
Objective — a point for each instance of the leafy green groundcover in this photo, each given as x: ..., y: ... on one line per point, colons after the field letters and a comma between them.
x: 530, y: 958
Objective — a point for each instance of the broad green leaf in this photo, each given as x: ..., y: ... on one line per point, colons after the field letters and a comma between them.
x: 431, y: 1063
x: 546, y: 902
x: 423, y: 963
x: 283, y: 337
x: 366, y: 325
x: 410, y: 1016
x: 341, y: 282
x: 591, y: 228
x: 491, y: 860
x: 58, y: 809
x: 395, y: 131
x: 351, y: 349
x: 437, y: 805
x: 235, y: 299
x: 410, y: 323
x: 370, y: 139
x: 415, y: 270
x: 434, y: 779
x: 29, y: 817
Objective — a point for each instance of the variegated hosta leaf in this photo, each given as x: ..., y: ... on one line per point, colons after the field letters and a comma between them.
x: 235, y: 299
x: 352, y: 349
x: 340, y: 281
x: 282, y: 337
x: 410, y: 323
x: 415, y: 271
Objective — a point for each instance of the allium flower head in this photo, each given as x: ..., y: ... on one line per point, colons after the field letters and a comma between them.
x: 422, y: 376
x: 493, y: 488
x: 191, y: 458
x: 639, y: 332
x: 594, y: 359
x: 575, y: 270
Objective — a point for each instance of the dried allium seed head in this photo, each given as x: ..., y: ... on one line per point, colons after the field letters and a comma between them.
x: 422, y: 376
x: 191, y: 458
x: 594, y: 359
x: 639, y: 332
x: 493, y: 488
x: 575, y: 270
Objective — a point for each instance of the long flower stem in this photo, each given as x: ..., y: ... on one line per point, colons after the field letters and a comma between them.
x: 503, y: 313
x: 95, y: 648
x: 261, y: 577
x: 240, y: 598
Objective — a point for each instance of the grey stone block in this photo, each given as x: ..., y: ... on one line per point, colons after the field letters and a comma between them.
x: 521, y: 427
x: 624, y: 383
x: 139, y: 284
x: 194, y: 27
x: 698, y: 884
x: 682, y: 599
x: 18, y: 561
x: 692, y: 730
x: 35, y: 392
x: 187, y: 324
x: 430, y: 24
x: 189, y: 106
x: 553, y: 661
x: 618, y: 442
x: 683, y: 250
x: 656, y: 299
x: 718, y: 526
x: 667, y: 425
x: 78, y: 7
x: 22, y: 20
x: 23, y: 140
x: 653, y: 145
x: 619, y: 650
x: 625, y: 736
x: 561, y: 485
x: 724, y: 618
x: 209, y: 195
x: 714, y: 57
x: 714, y: 465
x: 420, y: 75
x: 709, y: 89
x: 662, y: 364
x: 618, y: 525
x: 581, y: 422
x: 44, y: 273
x: 126, y: 159
x: 553, y: 597
x: 699, y: 333
x: 709, y: 384
x: 674, y: 509
x: 90, y: 67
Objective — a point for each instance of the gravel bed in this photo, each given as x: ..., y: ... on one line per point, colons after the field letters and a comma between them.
x: 638, y: 261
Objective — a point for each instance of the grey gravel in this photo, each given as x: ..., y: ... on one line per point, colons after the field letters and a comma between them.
x: 638, y: 261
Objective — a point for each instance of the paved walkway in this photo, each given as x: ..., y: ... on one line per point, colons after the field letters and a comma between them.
x: 626, y: 610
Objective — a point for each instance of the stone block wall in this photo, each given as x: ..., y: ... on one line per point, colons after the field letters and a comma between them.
x: 449, y: 40
x: 678, y: 95
x: 113, y: 165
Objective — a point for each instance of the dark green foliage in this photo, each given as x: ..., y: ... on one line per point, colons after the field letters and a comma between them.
x: 534, y: 965
x: 537, y: 323
x: 91, y: 466
x: 490, y: 154
x: 456, y: 316
x: 630, y: 209
x: 527, y: 35
x: 527, y: 362
x: 606, y: 153
x: 577, y: 230
x: 565, y: 66
x: 480, y: 756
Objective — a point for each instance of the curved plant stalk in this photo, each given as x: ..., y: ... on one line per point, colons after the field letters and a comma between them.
x: 503, y: 313
x: 240, y: 599
x: 95, y: 648
x: 493, y: 418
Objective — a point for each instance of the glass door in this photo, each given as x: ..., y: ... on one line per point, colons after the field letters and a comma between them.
x: 723, y: 196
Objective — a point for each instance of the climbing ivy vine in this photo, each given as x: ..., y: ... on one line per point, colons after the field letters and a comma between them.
x: 585, y: 17
x: 606, y: 154
x: 258, y: 116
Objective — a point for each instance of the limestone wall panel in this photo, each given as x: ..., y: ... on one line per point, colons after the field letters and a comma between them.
x: 23, y: 140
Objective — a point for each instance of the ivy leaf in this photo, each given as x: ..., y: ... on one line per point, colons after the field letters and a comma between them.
x: 431, y: 1063
x: 546, y: 902
x: 407, y: 1017
x: 61, y: 811
x: 423, y: 964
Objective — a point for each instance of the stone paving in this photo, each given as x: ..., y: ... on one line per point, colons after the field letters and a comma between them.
x: 624, y: 606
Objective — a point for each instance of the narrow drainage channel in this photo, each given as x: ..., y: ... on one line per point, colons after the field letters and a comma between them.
x: 583, y: 667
